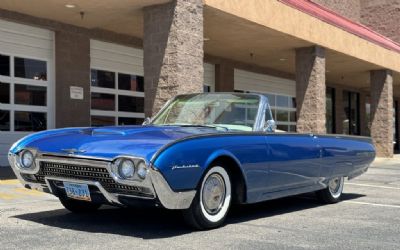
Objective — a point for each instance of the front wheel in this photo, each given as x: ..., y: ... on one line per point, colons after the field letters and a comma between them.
x: 333, y: 192
x: 77, y: 206
x: 212, y: 201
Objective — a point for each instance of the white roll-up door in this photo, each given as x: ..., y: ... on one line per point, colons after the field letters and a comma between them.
x: 209, y: 77
x: 281, y: 94
x: 117, y: 84
x: 26, y: 82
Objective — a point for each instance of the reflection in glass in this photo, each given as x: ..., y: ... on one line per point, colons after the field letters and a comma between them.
x: 4, y: 120
x: 4, y: 92
x: 271, y: 99
x: 30, y: 68
x: 130, y: 82
x: 130, y: 121
x: 30, y: 121
x: 292, y: 116
x: 330, y: 110
x: 4, y: 65
x: 282, y: 101
x: 103, y: 101
x: 206, y: 89
x: 102, y: 79
x: 98, y: 121
x: 282, y: 115
x: 30, y: 95
x: 351, y: 122
x: 283, y: 127
x: 130, y: 104
x: 292, y: 102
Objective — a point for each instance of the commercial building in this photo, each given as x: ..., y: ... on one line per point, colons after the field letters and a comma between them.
x: 322, y: 63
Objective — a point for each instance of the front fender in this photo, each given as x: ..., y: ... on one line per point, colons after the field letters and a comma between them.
x: 183, y: 164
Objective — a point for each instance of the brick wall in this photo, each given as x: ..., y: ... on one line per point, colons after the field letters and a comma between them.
x: 382, y: 16
x: 347, y: 8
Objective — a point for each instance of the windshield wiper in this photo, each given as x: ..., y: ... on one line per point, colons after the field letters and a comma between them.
x: 197, y: 125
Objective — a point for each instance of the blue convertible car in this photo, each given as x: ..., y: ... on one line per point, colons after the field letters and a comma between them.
x: 201, y: 153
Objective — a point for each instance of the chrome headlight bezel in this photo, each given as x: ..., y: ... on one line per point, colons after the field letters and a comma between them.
x: 18, y: 162
x: 26, y: 159
x: 138, y: 163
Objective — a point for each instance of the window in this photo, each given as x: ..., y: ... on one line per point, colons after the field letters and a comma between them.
x: 30, y: 121
x: 330, y: 111
x: 4, y: 93
x: 4, y: 120
x: 284, y: 111
x: 23, y: 94
x: 4, y: 65
x: 30, y: 95
x: 116, y: 98
x: 30, y: 68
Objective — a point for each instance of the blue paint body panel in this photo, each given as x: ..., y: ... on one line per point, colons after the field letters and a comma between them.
x: 273, y: 164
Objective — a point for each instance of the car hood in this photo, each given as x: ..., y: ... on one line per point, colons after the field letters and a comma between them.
x: 108, y: 142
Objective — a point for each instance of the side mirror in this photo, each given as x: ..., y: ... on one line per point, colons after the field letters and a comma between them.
x: 146, y: 121
x: 269, y: 126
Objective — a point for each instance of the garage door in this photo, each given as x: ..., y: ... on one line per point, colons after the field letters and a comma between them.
x: 117, y: 85
x: 281, y: 94
x: 209, y: 77
x: 26, y: 83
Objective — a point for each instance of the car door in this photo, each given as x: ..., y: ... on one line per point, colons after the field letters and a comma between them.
x: 293, y: 161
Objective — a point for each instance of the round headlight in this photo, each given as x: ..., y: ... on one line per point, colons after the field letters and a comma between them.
x: 126, y: 168
x: 27, y: 159
x: 142, y: 170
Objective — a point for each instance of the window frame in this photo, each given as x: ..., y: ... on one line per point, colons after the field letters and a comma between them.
x: 12, y: 80
x: 116, y: 92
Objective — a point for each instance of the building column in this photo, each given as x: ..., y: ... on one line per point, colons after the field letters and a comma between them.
x: 224, y: 77
x: 311, y: 90
x: 72, y: 68
x: 382, y: 112
x: 173, y: 51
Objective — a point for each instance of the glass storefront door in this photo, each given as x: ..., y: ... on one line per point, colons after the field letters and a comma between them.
x: 351, y: 105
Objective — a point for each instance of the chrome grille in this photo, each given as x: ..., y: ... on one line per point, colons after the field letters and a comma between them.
x: 82, y: 172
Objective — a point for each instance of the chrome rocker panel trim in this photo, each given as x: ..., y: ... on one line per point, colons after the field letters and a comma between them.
x: 155, y: 181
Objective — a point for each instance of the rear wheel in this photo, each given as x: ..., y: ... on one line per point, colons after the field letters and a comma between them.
x: 333, y: 192
x: 212, y: 201
x: 77, y: 206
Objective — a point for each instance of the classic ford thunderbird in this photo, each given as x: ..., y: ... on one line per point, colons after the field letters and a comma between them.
x: 201, y: 153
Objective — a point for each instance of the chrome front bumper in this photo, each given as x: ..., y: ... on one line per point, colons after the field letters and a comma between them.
x: 154, y: 181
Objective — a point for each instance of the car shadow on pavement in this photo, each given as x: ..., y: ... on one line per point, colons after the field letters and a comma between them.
x: 281, y: 206
x: 154, y: 223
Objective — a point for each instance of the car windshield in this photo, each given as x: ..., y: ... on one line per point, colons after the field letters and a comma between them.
x: 221, y: 111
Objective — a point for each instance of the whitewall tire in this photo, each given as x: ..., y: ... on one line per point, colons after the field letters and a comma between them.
x: 213, y: 199
x: 332, y: 193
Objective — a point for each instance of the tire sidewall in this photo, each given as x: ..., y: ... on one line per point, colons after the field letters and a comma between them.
x: 340, y: 190
x: 204, y: 219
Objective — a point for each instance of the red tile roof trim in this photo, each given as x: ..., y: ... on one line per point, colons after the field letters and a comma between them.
x: 342, y: 22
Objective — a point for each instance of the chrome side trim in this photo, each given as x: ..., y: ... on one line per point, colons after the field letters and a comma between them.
x: 168, y: 198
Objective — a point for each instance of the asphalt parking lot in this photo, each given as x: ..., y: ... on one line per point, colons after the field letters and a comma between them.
x: 367, y: 218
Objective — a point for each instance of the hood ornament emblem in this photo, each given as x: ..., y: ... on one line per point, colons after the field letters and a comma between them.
x: 72, y: 151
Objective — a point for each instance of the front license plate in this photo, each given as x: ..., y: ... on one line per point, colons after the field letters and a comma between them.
x: 77, y: 191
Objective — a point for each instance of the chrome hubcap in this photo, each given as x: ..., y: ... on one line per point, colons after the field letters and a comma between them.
x: 213, y: 193
x: 334, y: 185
